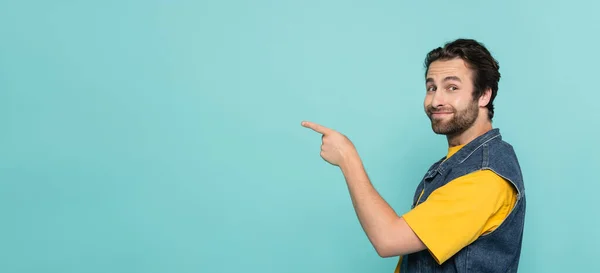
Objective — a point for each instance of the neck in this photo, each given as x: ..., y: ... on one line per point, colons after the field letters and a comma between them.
x: 478, y: 129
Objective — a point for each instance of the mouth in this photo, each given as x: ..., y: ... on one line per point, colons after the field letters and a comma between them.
x: 440, y: 114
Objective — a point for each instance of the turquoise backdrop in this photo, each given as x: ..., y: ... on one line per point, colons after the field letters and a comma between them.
x: 164, y: 136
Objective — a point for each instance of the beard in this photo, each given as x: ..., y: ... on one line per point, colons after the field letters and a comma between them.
x: 460, y: 121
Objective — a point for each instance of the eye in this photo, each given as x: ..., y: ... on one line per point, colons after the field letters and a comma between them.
x: 453, y: 88
x: 431, y: 88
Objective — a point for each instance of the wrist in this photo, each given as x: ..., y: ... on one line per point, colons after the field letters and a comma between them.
x: 351, y: 162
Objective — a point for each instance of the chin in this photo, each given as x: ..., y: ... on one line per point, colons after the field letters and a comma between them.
x: 439, y: 131
x: 440, y: 128
x: 438, y: 124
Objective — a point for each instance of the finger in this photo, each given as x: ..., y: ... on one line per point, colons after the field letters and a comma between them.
x: 316, y: 127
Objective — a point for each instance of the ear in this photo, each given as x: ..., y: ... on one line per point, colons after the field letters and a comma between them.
x: 485, y: 97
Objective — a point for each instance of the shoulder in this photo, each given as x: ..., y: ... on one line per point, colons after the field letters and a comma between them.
x: 481, y: 181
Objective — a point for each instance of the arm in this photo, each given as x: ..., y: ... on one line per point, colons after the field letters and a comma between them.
x: 389, y: 234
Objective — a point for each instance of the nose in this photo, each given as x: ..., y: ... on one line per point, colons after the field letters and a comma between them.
x: 437, y: 99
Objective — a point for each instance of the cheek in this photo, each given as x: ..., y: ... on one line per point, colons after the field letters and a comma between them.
x: 427, y: 100
x: 462, y: 106
x: 459, y: 102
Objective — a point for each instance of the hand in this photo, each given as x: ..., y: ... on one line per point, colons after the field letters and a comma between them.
x: 336, y: 148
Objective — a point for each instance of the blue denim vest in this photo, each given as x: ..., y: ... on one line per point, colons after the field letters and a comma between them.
x: 498, y: 251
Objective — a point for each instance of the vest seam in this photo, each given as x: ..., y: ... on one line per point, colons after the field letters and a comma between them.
x: 467, y: 259
x: 477, y: 148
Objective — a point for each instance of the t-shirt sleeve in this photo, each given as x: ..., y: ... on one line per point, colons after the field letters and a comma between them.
x: 455, y: 215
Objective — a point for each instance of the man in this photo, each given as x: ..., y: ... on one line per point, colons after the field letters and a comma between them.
x: 468, y: 211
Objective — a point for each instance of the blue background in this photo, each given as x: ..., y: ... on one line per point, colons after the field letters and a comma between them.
x: 164, y: 136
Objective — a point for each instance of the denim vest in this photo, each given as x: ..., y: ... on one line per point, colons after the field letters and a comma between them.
x: 498, y: 251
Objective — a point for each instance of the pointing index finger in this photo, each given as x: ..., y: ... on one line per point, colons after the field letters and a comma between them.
x: 316, y: 127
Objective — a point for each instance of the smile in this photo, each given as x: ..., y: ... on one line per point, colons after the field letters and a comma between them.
x: 439, y: 114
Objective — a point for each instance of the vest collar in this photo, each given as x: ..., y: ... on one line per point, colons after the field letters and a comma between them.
x: 464, y: 153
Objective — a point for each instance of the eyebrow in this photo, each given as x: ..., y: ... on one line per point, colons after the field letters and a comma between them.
x: 449, y: 78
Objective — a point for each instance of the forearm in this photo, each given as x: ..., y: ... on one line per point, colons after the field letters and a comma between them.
x: 389, y: 234
x: 375, y: 215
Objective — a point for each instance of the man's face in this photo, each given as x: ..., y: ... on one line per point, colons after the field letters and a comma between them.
x: 449, y: 101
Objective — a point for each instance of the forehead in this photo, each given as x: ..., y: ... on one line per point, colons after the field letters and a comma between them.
x: 441, y: 69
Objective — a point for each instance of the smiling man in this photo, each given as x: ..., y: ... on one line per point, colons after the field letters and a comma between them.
x: 468, y: 211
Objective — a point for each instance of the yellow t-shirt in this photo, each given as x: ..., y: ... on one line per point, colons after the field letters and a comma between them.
x: 456, y: 214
